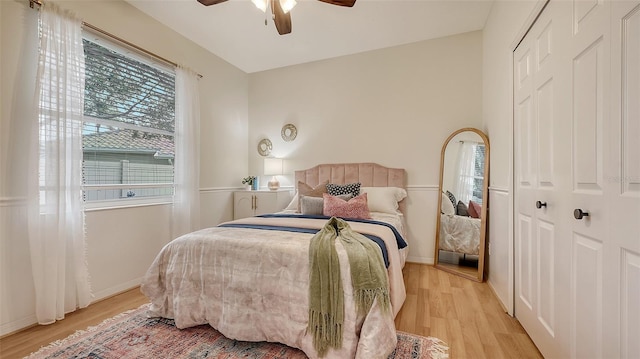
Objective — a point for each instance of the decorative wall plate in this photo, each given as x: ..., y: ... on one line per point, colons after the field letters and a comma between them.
x: 289, y: 132
x: 264, y: 147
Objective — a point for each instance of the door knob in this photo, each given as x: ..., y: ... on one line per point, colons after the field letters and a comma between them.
x: 540, y: 204
x: 579, y: 214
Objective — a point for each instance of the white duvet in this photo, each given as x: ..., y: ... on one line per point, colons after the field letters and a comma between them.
x: 252, y: 285
x: 459, y: 234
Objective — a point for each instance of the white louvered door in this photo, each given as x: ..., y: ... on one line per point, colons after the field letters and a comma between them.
x: 577, y: 149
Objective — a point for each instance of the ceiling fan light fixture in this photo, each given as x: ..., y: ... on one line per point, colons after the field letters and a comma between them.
x: 260, y: 4
x: 287, y: 5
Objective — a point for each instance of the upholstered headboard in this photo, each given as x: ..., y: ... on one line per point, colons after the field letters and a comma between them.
x: 368, y: 174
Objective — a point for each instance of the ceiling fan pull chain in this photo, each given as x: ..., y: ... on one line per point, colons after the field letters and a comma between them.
x: 266, y: 13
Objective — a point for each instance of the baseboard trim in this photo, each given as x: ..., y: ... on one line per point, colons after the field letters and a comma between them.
x: 16, y: 326
x: 419, y: 260
x: 118, y: 289
x: 495, y: 294
x: 31, y: 321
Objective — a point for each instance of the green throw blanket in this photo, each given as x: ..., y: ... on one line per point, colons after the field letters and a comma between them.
x: 326, y: 298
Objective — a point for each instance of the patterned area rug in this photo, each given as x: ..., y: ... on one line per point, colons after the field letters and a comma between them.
x: 133, y: 335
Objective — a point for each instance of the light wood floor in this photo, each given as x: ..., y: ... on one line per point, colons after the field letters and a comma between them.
x: 25, y: 342
x: 463, y: 313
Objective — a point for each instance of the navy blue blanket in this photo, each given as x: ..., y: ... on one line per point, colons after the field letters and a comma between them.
x: 383, y: 248
x: 401, y: 242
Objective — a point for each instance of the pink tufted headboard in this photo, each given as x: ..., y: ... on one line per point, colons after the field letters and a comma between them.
x: 369, y: 174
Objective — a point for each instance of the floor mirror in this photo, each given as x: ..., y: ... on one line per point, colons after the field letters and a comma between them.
x: 461, y: 225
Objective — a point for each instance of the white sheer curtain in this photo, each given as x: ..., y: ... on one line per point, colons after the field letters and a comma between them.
x: 463, y: 186
x: 56, y: 213
x: 186, y: 200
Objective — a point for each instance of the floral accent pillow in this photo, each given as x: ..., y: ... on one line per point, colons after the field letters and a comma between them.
x: 338, y: 189
x: 356, y: 207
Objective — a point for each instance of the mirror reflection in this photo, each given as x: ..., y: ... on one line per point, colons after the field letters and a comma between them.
x: 461, y: 221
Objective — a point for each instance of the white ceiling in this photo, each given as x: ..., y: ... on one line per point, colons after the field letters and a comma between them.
x: 235, y: 30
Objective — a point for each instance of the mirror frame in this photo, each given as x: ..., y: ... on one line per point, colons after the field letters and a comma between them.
x: 479, y: 276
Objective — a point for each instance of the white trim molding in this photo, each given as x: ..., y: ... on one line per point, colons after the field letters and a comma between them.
x: 500, y: 190
x: 12, y: 201
x: 423, y: 187
x: 115, y: 290
x: 500, y: 247
x: 219, y: 189
x: 17, y: 325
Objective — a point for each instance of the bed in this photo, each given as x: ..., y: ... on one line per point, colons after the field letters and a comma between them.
x: 249, y: 278
x: 459, y: 232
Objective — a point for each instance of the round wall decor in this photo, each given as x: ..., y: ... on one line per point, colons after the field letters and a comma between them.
x: 289, y: 132
x: 264, y: 147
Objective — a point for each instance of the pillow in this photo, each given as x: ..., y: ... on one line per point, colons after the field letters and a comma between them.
x: 356, y: 207
x: 452, y: 198
x: 446, y: 207
x: 338, y: 189
x: 384, y: 199
x: 315, y: 205
x: 293, y: 205
x: 461, y: 209
x: 474, y: 209
x: 306, y: 190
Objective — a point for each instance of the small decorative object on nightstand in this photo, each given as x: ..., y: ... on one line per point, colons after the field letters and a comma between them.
x: 273, y: 167
x: 251, y: 183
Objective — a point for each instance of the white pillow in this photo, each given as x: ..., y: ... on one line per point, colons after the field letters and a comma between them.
x: 447, y: 206
x: 293, y: 205
x: 384, y: 199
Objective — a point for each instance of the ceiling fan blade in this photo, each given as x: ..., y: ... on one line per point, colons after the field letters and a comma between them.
x: 210, y: 2
x: 280, y: 18
x: 348, y: 3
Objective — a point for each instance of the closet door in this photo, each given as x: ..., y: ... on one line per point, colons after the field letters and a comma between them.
x: 578, y: 144
x: 590, y: 62
x: 542, y: 132
x: 621, y: 247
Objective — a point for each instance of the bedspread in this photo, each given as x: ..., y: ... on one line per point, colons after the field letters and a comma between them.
x: 252, y: 284
x: 459, y: 234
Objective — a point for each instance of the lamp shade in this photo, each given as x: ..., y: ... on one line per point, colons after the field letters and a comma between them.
x: 260, y: 4
x: 272, y: 166
x: 287, y: 5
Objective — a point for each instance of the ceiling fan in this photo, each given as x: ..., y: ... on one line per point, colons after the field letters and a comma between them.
x: 280, y: 10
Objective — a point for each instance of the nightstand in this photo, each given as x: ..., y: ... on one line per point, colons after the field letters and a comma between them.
x: 253, y: 203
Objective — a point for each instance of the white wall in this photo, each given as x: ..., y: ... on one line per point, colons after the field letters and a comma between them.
x: 505, y: 24
x: 121, y: 242
x: 394, y: 106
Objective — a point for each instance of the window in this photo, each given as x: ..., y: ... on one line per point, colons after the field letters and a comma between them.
x: 469, y: 174
x: 129, y: 124
x: 478, y: 173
